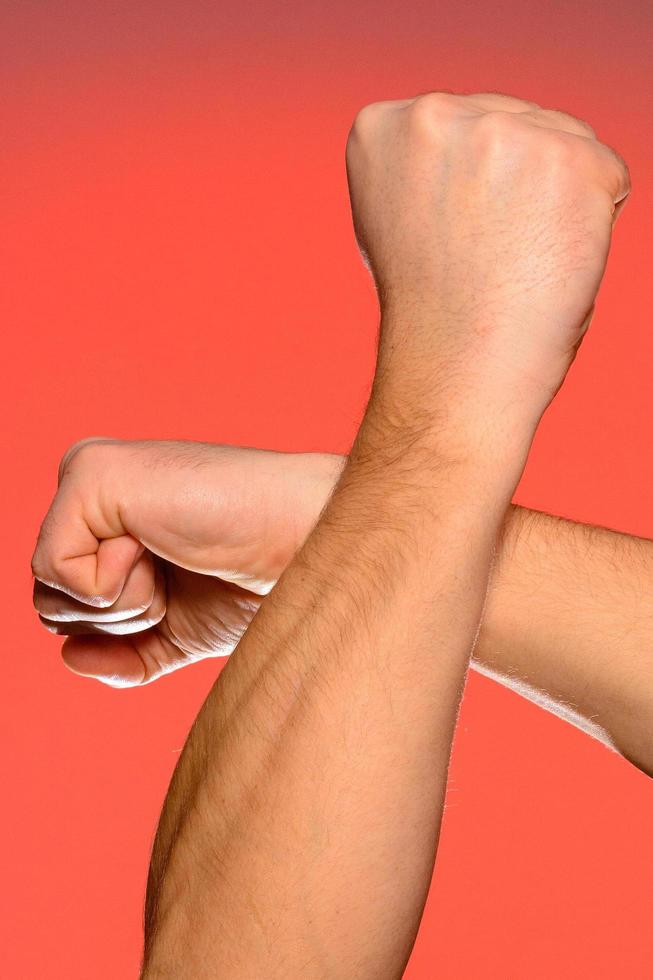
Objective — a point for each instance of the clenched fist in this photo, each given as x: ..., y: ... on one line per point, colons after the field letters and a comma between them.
x: 486, y: 222
x: 155, y: 554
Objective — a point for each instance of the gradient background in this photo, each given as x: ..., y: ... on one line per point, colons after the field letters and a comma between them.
x: 178, y: 262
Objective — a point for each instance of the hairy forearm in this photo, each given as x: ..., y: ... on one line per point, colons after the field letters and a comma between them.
x: 300, y: 829
x: 569, y: 623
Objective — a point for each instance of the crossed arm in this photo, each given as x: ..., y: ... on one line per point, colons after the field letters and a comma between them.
x: 300, y: 828
x: 339, y: 706
x: 568, y: 619
x: 325, y: 742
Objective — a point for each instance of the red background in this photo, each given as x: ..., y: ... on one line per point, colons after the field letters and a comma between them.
x: 179, y: 263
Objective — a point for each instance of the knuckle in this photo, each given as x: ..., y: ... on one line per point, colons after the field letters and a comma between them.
x: 555, y: 148
x: 589, y: 159
x: 432, y: 108
x: 624, y: 170
x: 45, y: 567
x: 579, y: 126
x: 556, y: 155
x: 437, y: 101
x: 367, y: 118
x: 618, y: 165
x: 562, y: 147
x: 499, y: 128
x: 80, y: 452
x: 569, y: 162
x: 37, y: 565
x: 584, y: 126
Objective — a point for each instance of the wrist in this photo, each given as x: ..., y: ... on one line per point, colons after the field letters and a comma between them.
x: 455, y: 386
x: 410, y: 494
x: 443, y: 432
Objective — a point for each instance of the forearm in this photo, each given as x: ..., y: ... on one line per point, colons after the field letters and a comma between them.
x: 569, y: 622
x: 299, y: 833
x: 300, y: 830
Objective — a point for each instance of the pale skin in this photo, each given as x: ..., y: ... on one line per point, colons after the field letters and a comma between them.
x: 332, y: 722
x: 568, y: 617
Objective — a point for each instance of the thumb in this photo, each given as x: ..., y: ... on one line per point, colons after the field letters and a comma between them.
x: 123, y: 661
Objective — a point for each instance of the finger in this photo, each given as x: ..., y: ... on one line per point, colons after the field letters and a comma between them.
x: 135, y: 598
x: 614, y: 168
x: 90, y: 564
x: 143, y: 620
x: 209, y: 619
x: 611, y: 168
x: 127, y: 661
x: 101, y: 621
x: 206, y: 616
x: 612, y: 164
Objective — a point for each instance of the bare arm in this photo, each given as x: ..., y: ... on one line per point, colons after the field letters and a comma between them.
x: 300, y: 829
x: 320, y: 757
x: 299, y: 833
x: 568, y: 620
x: 569, y: 623
x: 330, y: 739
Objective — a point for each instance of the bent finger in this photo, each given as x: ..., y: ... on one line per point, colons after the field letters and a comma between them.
x: 124, y: 661
x: 136, y: 597
x: 101, y: 621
